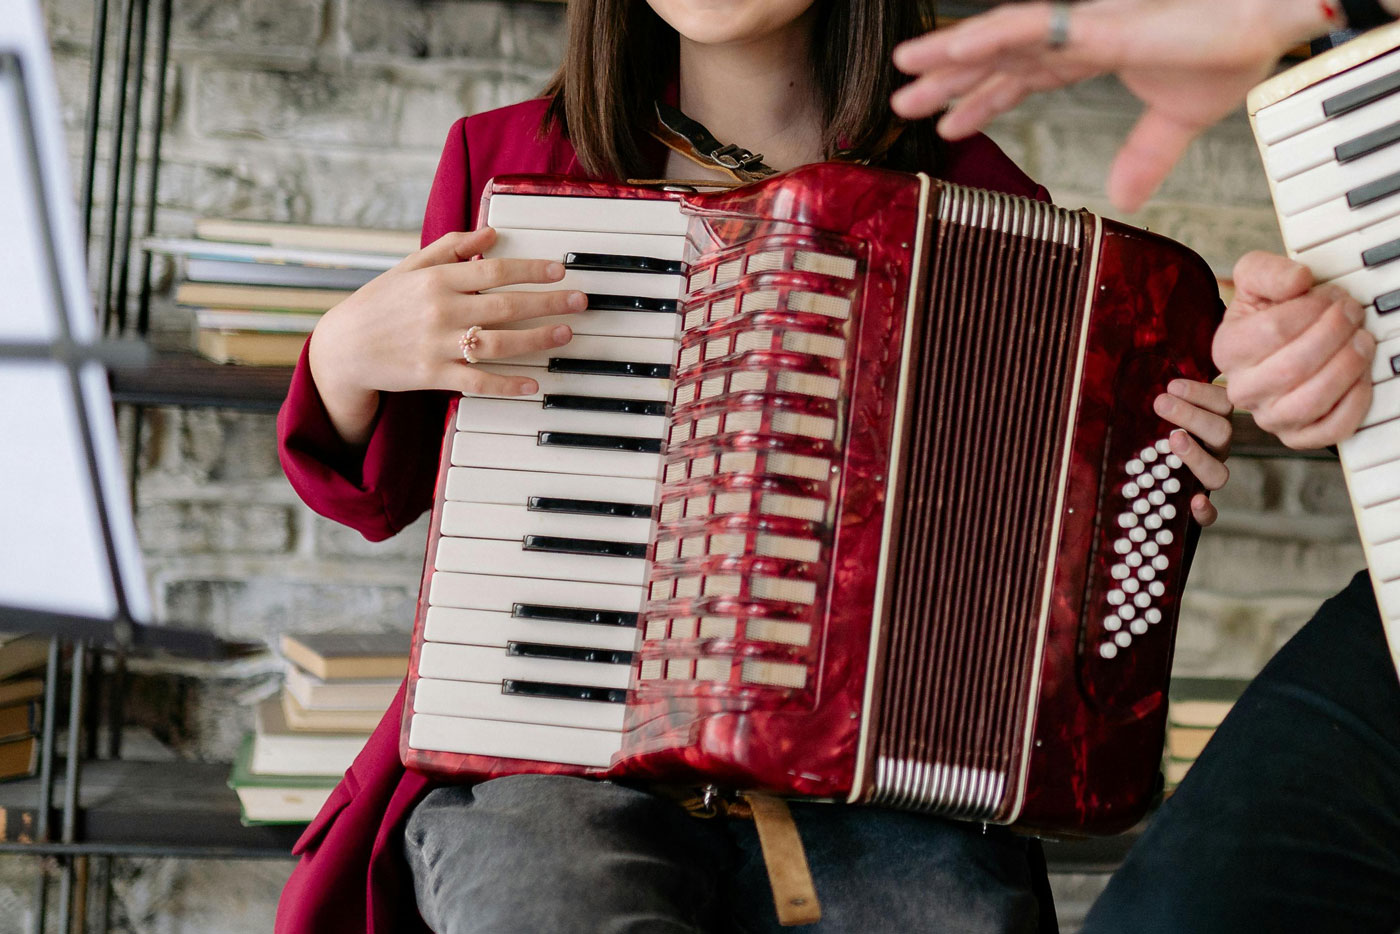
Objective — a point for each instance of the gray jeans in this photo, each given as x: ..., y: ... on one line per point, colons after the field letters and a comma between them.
x: 542, y: 853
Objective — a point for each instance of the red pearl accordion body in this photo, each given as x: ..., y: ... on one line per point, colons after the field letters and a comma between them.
x: 917, y: 541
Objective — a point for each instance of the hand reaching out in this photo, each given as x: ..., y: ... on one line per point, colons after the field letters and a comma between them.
x: 1190, y: 61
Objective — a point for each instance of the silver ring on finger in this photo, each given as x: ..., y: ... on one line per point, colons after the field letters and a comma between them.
x: 469, y: 342
x: 1058, y: 37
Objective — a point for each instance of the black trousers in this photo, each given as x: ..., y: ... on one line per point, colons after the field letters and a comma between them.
x: 1290, y: 819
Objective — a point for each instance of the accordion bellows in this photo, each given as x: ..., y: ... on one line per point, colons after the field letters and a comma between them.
x: 913, y: 535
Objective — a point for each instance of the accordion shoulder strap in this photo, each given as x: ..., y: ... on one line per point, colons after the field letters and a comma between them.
x: 794, y: 895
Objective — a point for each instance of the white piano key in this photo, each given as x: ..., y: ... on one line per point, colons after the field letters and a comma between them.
x: 1303, y: 110
x: 1370, y: 447
x: 582, y: 384
x: 603, y: 282
x: 487, y: 592
x: 1375, y: 485
x: 1385, y: 561
x: 507, y: 558
x: 493, y: 665
x: 489, y: 702
x: 1385, y: 403
x: 1336, y: 258
x: 1334, y: 179
x: 515, y: 487
x: 555, y: 244
x: 590, y: 347
x: 662, y: 325
x: 1317, y: 146
x: 513, y: 417
x: 1379, y: 524
x: 494, y: 521
x: 1386, y: 363
x: 593, y: 748
x: 638, y: 215
x: 493, y: 627
x: 1388, y: 596
x: 1367, y: 284
x: 1382, y: 328
x: 1335, y: 218
x: 521, y: 452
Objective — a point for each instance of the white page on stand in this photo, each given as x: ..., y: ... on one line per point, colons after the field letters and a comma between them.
x: 53, y: 555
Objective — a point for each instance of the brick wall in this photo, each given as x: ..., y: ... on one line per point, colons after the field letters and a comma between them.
x: 333, y: 111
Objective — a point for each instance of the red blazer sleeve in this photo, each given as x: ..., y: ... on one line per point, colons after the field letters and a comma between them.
x: 380, y: 489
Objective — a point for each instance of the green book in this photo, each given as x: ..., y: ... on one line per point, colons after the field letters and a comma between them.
x: 276, y: 799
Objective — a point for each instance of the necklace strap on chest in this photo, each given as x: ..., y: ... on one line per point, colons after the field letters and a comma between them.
x: 690, y: 138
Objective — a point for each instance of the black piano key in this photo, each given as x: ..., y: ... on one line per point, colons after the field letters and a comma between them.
x: 589, y: 507
x: 572, y: 614
x: 631, y: 303
x: 1380, y: 255
x: 563, y: 691
x: 1395, y: 365
x: 584, y: 546
x: 1364, y: 145
x: 609, y: 367
x: 573, y: 439
x: 1360, y: 96
x: 1372, y: 192
x: 603, y: 404
x: 1388, y: 302
x: 569, y: 653
x: 614, y: 262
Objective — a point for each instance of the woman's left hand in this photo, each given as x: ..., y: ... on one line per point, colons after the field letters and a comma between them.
x: 1203, y: 410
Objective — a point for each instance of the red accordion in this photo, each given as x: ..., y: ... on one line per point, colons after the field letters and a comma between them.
x: 848, y: 486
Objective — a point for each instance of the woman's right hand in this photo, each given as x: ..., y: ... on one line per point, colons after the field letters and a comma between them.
x: 402, y: 330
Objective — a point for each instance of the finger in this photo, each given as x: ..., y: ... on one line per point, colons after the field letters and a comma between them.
x: 1303, y: 357
x: 498, y: 345
x: 1270, y: 277
x: 1213, y: 430
x: 930, y: 93
x: 1207, y: 468
x: 476, y: 381
x: 486, y: 274
x: 1317, y: 396
x: 494, y: 309
x: 1336, y: 426
x: 450, y: 248
x: 1146, y: 158
x: 1208, y: 396
x: 1203, y: 510
x: 1246, y: 338
x: 990, y: 99
x: 1014, y: 28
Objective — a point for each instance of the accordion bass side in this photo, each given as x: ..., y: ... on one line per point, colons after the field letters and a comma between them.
x: 877, y: 510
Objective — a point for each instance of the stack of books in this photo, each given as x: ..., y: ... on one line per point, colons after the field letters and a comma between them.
x: 1196, y: 708
x: 257, y: 289
x: 336, y: 689
x: 21, y: 703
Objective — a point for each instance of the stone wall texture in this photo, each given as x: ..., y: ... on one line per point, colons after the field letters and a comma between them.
x: 333, y: 112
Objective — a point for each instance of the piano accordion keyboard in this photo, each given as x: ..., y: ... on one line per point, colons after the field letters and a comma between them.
x: 1329, y: 134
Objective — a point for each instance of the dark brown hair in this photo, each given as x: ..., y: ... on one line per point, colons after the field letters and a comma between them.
x: 620, y: 55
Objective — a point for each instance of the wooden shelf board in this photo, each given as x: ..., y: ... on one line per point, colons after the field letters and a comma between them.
x: 168, y: 807
x: 187, y: 379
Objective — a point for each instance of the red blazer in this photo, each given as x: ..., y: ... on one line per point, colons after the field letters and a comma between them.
x: 352, y: 875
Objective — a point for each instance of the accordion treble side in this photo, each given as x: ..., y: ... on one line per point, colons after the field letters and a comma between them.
x: 915, y: 536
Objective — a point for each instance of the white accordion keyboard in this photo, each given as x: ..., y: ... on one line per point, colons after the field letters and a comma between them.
x: 1329, y: 134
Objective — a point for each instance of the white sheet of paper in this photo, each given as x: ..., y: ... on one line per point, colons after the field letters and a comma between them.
x: 53, y: 555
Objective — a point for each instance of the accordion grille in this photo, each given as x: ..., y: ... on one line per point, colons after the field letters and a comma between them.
x: 981, y: 464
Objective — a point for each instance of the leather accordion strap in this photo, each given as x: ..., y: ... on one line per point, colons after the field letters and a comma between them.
x: 690, y: 138
x: 794, y: 895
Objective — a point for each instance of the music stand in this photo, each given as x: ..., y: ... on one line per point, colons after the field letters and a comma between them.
x: 70, y: 564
